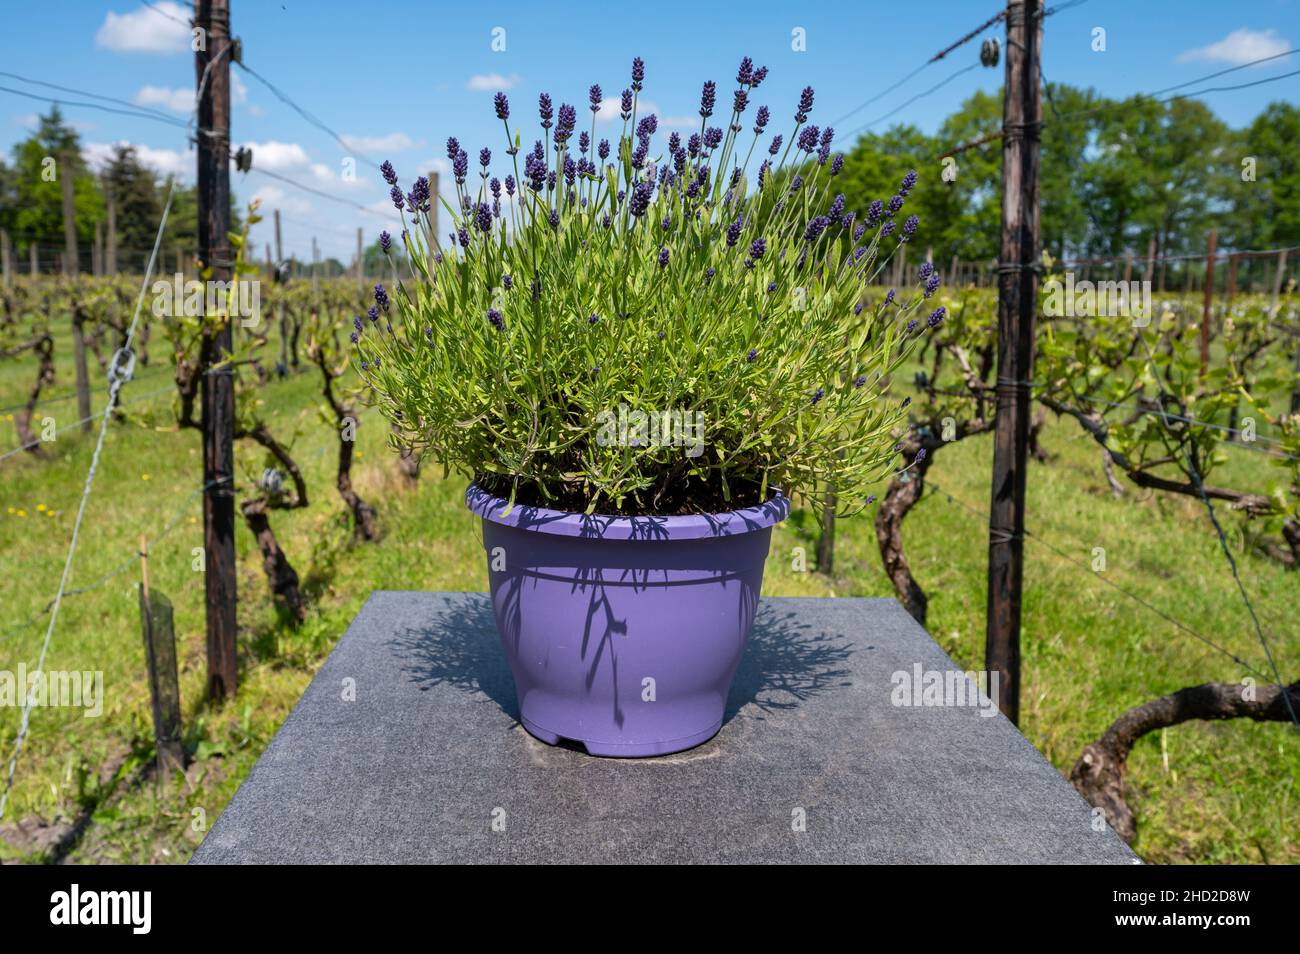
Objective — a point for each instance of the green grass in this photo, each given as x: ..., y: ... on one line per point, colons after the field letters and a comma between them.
x: 1210, y: 793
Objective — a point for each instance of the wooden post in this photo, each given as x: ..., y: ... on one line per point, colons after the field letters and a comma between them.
x: 180, y: 262
x: 110, y: 247
x: 160, y: 657
x: 279, y: 301
x: 33, y: 264
x: 97, y: 251
x: 952, y: 273
x: 6, y: 257
x: 71, y: 267
x: 1022, y: 113
x: 1151, y: 260
x: 1128, y: 268
x: 1209, y: 300
x: 315, y: 277
x: 1232, y: 282
x: 360, y: 255
x: 218, y: 420
x: 1277, y: 282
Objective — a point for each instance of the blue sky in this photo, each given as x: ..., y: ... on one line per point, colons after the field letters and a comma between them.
x: 397, y: 78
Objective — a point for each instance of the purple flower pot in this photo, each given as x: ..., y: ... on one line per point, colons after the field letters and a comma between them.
x: 624, y: 633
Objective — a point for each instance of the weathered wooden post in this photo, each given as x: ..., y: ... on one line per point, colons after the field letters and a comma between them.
x: 160, y: 657
x: 1209, y: 300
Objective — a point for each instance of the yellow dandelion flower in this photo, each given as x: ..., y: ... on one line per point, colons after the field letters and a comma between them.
x: 22, y: 513
x: 144, y: 476
x: 12, y: 510
x: 40, y: 507
x: 49, y: 513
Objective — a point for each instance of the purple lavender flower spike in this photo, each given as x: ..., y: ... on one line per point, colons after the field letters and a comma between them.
x: 909, y: 226
x: 745, y: 74
x: 708, y: 96
x: 389, y: 173
x: 773, y: 149
x: 805, y: 105
x: 663, y: 258
x: 385, y: 241
x: 453, y: 147
x: 485, y: 157
x: 837, y: 164
x: 752, y: 356
x: 808, y: 138
x: 818, y: 395
x: 594, y: 97
x: 733, y: 232
x: 761, y: 119
x: 545, y: 110
x: 381, y: 297
x: 398, y: 199
x: 502, y: 106
x: 638, y: 73
x: 496, y: 320
x: 936, y: 317
x: 908, y: 183
x: 760, y: 74
x: 888, y: 228
x: 625, y: 105
x: 860, y: 380
x: 603, y: 150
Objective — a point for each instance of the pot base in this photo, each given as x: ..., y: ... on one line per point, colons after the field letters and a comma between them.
x: 628, y: 750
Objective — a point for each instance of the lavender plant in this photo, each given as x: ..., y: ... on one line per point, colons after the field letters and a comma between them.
x: 722, y: 279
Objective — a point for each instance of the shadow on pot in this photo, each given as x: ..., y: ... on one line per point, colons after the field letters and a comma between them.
x: 785, y: 663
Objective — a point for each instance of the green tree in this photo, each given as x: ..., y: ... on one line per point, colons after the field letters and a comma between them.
x: 38, y: 163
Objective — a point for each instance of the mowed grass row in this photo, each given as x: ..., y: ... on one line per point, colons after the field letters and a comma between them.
x: 1203, y: 792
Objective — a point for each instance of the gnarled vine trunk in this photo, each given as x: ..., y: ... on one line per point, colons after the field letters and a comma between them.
x: 1098, y: 775
x: 279, y: 571
x: 904, y: 491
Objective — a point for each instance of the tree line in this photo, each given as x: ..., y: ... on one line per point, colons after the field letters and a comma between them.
x: 1115, y: 174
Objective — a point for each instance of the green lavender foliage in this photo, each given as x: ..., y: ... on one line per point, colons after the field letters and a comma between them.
x: 508, y: 343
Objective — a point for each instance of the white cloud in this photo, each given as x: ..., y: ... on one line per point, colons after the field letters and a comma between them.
x: 146, y: 30
x: 611, y: 111
x: 492, y: 82
x: 1238, y: 48
x: 393, y: 142
x: 438, y: 164
x: 279, y: 156
x: 238, y: 91
x: 177, y: 100
x: 164, y: 161
x: 289, y: 203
